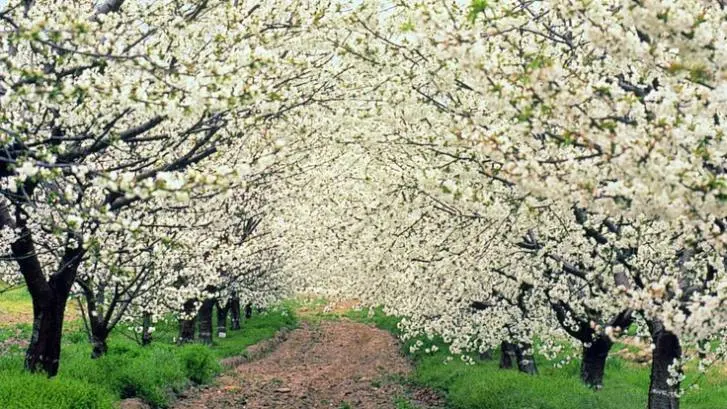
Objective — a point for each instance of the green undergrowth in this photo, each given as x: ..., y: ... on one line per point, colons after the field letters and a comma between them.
x: 154, y: 373
x: 483, y: 385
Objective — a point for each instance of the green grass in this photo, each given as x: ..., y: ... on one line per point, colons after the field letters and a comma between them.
x: 485, y: 386
x: 15, y: 301
x: 401, y: 402
x: 153, y: 373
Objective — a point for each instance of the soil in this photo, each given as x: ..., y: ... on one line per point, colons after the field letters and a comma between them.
x: 331, y: 364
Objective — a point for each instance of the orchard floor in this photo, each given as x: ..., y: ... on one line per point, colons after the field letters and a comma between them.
x: 329, y: 364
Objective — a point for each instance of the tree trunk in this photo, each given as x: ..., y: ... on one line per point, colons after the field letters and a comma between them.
x: 44, y: 351
x: 146, y: 337
x: 49, y: 296
x: 235, y: 312
x: 666, y: 351
x: 508, y: 356
x: 248, y: 311
x: 99, y: 347
x: 486, y: 355
x: 593, y: 364
x: 525, y: 360
x: 49, y: 305
x: 205, y: 321
x: 222, y: 320
x: 99, y: 334
x: 187, y: 323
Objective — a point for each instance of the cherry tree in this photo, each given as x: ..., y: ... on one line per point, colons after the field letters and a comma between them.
x: 108, y: 109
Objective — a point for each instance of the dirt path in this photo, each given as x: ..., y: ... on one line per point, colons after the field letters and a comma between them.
x: 337, y: 364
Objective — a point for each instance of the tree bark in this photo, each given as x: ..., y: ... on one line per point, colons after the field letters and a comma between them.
x: 508, y: 356
x: 593, y: 364
x: 49, y: 304
x: 99, y: 334
x: 44, y: 351
x: 667, y: 350
x: 525, y: 360
x: 222, y: 319
x: 248, y: 311
x: 187, y: 324
x: 49, y: 297
x: 235, y: 312
x: 146, y: 336
x: 513, y: 354
x: 205, y: 321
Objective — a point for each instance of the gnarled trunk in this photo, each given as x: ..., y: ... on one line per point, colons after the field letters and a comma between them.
x: 667, y: 350
x: 49, y: 302
x: 205, y: 321
x: 222, y: 320
x: 235, y: 312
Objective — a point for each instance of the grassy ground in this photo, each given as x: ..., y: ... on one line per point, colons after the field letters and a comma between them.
x: 14, y: 306
x: 153, y: 373
x: 486, y: 386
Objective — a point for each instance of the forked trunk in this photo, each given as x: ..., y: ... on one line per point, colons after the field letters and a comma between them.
x: 49, y: 305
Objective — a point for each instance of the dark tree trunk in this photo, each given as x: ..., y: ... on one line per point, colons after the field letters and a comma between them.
x: 146, y: 337
x: 222, y: 319
x: 98, y: 330
x: 205, y: 321
x: 508, y: 356
x: 666, y: 351
x: 235, y: 312
x: 44, y: 351
x: 525, y: 360
x: 187, y: 324
x: 593, y: 364
x: 248, y: 311
x: 99, y: 334
x: 513, y: 354
x: 49, y: 304
x: 99, y: 347
x: 486, y: 355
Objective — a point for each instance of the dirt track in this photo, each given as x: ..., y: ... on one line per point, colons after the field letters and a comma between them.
x: 337, y: 364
